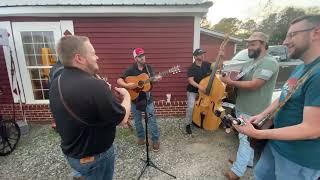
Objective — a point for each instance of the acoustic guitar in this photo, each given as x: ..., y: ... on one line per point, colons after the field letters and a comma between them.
x: 144, y: 81
x: 258, y: 144
x: 231, y: 90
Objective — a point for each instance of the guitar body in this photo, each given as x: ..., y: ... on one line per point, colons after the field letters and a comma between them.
x: 203, y: 114
x: 139, y: 80
x: 232, y: 91
x: 259, y: 144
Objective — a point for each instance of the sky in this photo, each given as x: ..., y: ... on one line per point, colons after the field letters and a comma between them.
x: 245, y: 9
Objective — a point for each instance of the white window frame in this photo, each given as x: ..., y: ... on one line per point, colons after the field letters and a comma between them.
x: 58, y: 28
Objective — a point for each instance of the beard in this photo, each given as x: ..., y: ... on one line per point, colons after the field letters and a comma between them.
x: 298, y: 52
x: 255, y: 53
x: 93, y: 68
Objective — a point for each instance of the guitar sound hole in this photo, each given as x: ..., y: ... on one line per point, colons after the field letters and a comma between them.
x: 140, y: 84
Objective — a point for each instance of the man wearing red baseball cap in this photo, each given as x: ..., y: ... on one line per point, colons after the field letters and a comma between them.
x: 139, y: 67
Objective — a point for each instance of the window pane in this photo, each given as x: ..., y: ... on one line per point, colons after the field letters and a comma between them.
x: 46, y: 94
x: 28, y: 49
x: 37, y: 36
x: 51, y: 46
x: 45, y: 73
x: 26, y: 37
x: 31, y: 60
x: 36, y: 84
x: 38, y: 48
x: 34, y: 74
x: 44, y: 84
x: 48, y: 37
x: 38, y: 94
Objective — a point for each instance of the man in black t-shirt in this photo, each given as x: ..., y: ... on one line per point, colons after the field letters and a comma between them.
x: 136, y: 69
x: 196, y: 72
x: 85, y: 111
x: 55, y: 71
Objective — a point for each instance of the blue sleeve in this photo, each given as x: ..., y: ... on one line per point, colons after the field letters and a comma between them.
x: 312, y: 90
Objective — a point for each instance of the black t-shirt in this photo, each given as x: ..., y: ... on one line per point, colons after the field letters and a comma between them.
x: 55, y: 71
x: 133, y: 70
x: 198, y: 73
x: 91, y: 100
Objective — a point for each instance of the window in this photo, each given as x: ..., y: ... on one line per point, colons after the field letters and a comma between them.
x: 40, y: 55
x: 35, y: 47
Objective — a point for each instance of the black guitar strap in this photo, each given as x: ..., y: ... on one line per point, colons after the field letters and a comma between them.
x: 148, y: 93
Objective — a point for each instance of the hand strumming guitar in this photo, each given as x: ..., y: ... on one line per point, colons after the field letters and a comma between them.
x: 226, y: 79
x: 131, y: 85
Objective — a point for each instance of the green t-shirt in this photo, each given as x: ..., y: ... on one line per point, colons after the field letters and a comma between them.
x: 303, y: 152
x: 252, y: 102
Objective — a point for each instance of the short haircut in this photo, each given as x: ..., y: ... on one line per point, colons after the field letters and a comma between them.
x: 313, y: 20
x: 70, y: 45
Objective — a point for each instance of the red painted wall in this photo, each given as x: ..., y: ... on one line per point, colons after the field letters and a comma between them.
x: 212, y: 44
x: 167, y: 42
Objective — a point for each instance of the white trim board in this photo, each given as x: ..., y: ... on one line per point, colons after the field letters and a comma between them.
x: 196, y: 33
x: 102, y: 11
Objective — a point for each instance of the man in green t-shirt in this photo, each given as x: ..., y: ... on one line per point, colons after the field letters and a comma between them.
x: 294, y: 149
x: 254, y: 93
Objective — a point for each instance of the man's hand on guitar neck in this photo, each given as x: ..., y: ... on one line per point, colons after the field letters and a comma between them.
x: 156, y: 78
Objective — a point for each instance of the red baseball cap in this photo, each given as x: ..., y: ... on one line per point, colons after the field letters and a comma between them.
x: 137, y: 52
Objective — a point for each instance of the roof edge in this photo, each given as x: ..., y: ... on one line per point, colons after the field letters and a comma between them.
x: 219, y: 35
x: 207, y: 4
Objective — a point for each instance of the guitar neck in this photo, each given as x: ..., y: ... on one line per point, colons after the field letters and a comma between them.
x: 164, y: 73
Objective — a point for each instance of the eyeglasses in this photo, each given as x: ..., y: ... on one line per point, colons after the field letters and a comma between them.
x: 140, y: 56
x: 294, y: 33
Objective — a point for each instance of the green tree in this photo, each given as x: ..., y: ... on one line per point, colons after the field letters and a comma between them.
x: 204, y: 23
x: 283, y: 23
x: 227, y: 25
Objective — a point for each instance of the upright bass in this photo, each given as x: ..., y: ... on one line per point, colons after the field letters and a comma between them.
x: 208, y: 107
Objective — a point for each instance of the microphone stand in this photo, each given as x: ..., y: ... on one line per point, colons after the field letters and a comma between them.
x: 141, y: 105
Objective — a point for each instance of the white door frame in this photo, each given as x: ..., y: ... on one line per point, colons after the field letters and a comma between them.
x: 57, y: 27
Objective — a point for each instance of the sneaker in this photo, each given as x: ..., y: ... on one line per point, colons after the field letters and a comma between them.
x: 156, y: 146
x: 141, y: 142
x: 188, y: 129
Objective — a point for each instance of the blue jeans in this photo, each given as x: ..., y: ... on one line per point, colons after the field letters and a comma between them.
x: 152, y: 123
x: 245, y: 153
x: 273, y: 166
x: 191, y: 98
x: 101, y: 168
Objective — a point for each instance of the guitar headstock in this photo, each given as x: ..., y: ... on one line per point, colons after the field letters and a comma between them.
x: 175, y: 69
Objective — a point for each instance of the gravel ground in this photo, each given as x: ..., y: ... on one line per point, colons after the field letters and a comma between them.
x: 202, y: 156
